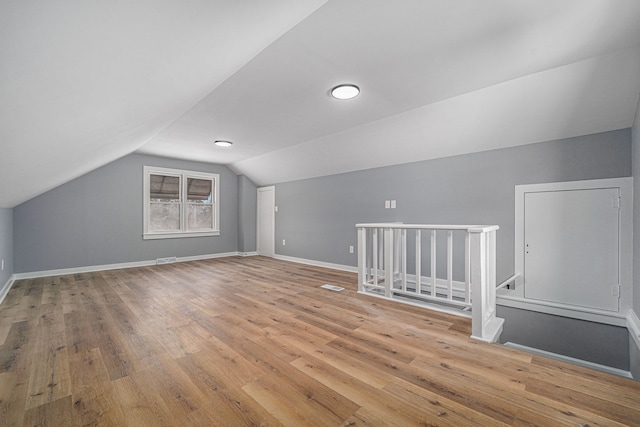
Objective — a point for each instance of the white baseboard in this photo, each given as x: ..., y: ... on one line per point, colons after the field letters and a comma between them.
x: 207, y: 256
x: 315, y: 263
x: 104, y: 267
x: 5, y: 289
x: 76, y: 270
x: 243, y: 254
x: 118, y: 266
x: 574, y: 361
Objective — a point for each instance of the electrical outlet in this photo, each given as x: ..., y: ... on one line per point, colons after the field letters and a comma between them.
x: 2, y: 265
x: 393, y: 204
x: 387, y: 204
x: 284, y: 242
x: 350, y: 249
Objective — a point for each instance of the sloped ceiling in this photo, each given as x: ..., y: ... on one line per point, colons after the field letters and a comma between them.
x: 84, y: 83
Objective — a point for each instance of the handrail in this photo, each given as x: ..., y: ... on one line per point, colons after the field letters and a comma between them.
x: 385, y: 269
x: 399, y: 225
x: 507, y: 282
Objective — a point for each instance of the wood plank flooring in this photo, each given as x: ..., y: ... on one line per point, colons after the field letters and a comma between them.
x: 256, y: 341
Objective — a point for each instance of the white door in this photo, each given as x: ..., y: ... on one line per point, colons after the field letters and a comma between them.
x: 571, y: 247
x: 266, y: 221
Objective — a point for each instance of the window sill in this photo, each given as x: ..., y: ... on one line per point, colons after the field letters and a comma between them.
x: 179, y: 235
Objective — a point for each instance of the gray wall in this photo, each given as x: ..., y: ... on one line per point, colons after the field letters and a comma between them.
x: 96, y: 219
x: 317, y: 216
x: 247, y: 211
x: 6, y: 244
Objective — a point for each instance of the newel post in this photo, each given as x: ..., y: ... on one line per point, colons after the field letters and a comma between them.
x: 485, y: 325
x: 388, y: 261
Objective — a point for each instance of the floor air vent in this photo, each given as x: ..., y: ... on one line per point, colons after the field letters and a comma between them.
x: 332, y: 287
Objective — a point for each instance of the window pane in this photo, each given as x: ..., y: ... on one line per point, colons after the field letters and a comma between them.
x: 199, y: 190
x: 164, y: 216
x: 199, y: 216
x: 164, y: 188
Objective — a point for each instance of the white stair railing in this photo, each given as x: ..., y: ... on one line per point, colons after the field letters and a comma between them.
x: 386, y: 270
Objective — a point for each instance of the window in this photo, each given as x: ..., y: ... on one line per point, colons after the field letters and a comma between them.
x: 180, y: 203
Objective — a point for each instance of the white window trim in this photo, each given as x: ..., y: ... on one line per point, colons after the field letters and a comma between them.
x: 625, y: 239
x: 184, y: 175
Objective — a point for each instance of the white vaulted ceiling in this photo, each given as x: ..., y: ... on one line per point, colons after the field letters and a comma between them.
x: 84, y: 83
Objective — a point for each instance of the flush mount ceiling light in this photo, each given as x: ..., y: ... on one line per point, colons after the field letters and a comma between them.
x: 346, y: 91
x: 221, y: 143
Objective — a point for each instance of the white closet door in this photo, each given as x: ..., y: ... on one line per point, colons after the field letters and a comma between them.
x: 266, y: 221
x: 571, y: 247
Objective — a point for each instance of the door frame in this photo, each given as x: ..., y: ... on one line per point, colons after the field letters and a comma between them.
x: 515, y: 298
x: 259, y: 214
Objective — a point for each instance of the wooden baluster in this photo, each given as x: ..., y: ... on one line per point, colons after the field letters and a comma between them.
x: 418, y: 262
x: 450, y: 265
x: 374, y: 247
x: 433, y: 263
x: 467, y: 268
x: 404, y: 259
x: 381, y: 265
x: 388, y: 261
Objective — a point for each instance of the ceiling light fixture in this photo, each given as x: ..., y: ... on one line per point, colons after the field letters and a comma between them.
x: 345, y: 91
x: 221, y: 143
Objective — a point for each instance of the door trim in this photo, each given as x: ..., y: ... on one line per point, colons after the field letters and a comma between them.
x: 515, y: 297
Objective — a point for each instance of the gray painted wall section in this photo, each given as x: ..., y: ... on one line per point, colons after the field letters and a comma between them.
x: 317, y: 216
x: 247, y: 211
x: 6, y: 244
x: 595, y: 342
x: 96, y: 219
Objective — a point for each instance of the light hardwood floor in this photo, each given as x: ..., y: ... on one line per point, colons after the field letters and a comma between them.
x: 256, y: 341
